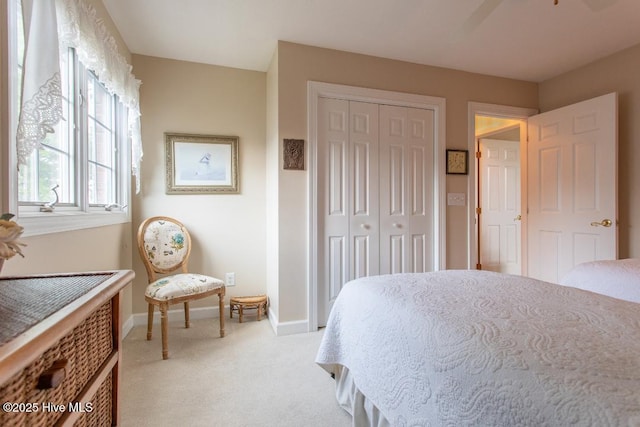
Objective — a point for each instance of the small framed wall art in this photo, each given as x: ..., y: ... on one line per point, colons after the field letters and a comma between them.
x: 457, y: 162
x: 201, y: 164
x: 293, y: 154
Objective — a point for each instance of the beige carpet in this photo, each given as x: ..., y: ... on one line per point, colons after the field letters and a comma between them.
x: 250, y: 377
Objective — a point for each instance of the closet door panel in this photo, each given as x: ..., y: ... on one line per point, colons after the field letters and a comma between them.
x: 363, y: 189
x: 393, y: 185
x: 420, y: 189
x: 406, y: 151
x: 333, y: 201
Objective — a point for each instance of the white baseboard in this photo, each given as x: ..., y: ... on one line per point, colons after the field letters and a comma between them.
x: 177, y: 315
x: 287, y: 328
x: 127, y: 326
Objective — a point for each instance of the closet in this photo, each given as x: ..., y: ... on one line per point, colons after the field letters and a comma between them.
x: 375, y: 192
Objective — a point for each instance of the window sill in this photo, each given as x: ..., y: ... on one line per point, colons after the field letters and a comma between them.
x: 57, y: 222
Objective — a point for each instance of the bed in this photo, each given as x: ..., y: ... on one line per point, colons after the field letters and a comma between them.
x: 477, y: 348
x: 615, y: 278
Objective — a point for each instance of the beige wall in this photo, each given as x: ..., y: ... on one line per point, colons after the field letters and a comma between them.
x: 298, y: 64
x: 617, y: 73
x: 102, y: 248
x: 229, y: 229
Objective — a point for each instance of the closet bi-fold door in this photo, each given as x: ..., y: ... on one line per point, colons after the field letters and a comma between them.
x: 406, y: 209
x: 347, y: 195
x: 375, y: 193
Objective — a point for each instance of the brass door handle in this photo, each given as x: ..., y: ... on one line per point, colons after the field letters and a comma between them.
x: 604, y: 223
x: 518, y: 218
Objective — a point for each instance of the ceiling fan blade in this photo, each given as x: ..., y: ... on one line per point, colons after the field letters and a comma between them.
x: 479, y: 15
x: 598, y: 5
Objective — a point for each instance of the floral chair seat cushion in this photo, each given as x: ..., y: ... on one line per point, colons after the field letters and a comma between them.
x: 180, y: 285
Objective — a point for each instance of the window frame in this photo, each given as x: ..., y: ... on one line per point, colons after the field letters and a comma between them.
x: 63, y: 218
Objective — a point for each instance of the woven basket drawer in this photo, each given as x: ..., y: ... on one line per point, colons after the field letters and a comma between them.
x: 94, y: 343
x: 84, y: 349
x: 101, y: 411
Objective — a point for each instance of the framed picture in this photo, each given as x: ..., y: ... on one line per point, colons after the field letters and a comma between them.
x: 457, y: 162
x: 201, y: 164
x: 293, y: 154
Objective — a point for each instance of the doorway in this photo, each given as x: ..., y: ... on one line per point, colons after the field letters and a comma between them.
x: 568, y: 164
x: 499, y: 214
x: 493, y: 248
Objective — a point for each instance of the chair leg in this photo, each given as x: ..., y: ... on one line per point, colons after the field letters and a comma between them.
x: 163, y: 323
x: 187, y: 322
x: 150, y: 322
x: 221, y: 308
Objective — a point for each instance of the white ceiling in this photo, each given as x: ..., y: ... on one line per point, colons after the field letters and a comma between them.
x: 524, y: 39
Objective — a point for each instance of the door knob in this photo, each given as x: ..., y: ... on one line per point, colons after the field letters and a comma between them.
x: 364, y: 226
x: 396, y: 225
x: 518, y: 218
x: 604, y: 223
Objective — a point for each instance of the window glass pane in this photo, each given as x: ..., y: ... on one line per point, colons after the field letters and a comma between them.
x: 100, y: 185
x: 45, y: 169
x: 103, y: 146
x: 100, y: 101
x: 28, y: 186
x: 101, y: 140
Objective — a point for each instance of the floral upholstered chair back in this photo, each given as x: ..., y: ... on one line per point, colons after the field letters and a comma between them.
x: 164, y: 245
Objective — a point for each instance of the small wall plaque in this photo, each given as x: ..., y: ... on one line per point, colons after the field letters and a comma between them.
x: 294, y: 154
x: 458, y: 162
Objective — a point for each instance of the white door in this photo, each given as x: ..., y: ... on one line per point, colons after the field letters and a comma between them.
x: 500, y: 217
x: 375, y: 187
x: 406, y: 214
x: 572, y: 164
x: 348, y: 196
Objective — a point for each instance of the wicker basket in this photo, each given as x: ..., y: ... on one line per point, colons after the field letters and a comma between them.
x: 84, y: 349
x: 100, y: 414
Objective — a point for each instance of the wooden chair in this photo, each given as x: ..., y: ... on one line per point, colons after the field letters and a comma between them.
x: 165, y: 245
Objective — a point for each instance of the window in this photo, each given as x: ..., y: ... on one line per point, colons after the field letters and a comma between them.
x: 79, y: 177
x: 53, y: 164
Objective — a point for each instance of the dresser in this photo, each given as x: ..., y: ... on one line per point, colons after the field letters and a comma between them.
x: 60, y: 349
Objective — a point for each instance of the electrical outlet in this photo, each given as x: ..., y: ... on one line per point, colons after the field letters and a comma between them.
x: 230, y: 279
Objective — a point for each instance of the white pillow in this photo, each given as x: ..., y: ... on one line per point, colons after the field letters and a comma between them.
x: 615, y: 278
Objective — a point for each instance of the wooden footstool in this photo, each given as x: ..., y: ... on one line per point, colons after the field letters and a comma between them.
x: 239, y: 304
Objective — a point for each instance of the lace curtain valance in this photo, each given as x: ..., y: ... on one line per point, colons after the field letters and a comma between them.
x: 52, y: 26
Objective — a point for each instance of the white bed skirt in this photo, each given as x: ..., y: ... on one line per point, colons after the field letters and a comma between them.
x: 363, y: 412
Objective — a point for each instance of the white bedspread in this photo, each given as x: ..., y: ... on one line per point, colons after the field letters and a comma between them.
x: 615, y: 278
x: 478, y: 348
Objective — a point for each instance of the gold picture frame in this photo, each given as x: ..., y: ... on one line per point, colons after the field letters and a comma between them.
x: 201, y: 164
x: 457, y: 162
